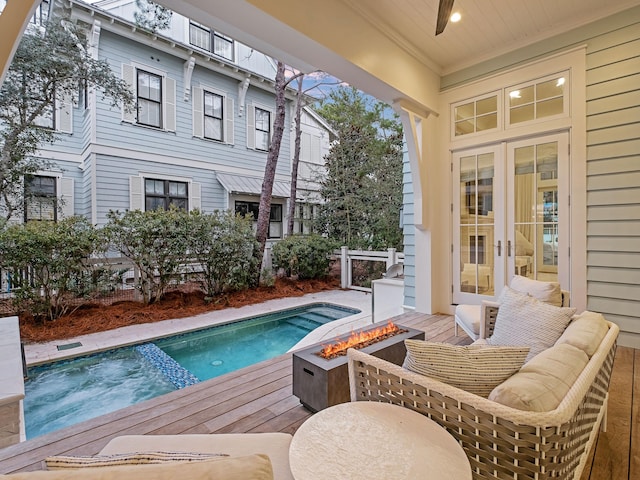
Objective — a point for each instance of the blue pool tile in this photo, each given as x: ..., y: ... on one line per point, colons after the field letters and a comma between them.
x: 176, y: 374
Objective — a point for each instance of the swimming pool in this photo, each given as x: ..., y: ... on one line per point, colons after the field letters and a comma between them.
x: 63, y: 393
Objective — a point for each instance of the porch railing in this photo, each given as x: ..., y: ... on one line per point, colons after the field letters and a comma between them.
x: 347, y: 258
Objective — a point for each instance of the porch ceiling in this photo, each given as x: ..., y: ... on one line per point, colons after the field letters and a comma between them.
x: 388, y: 47
x: 385, y: 47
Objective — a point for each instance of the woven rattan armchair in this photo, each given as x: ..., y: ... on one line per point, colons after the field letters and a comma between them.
x: 500, y: 441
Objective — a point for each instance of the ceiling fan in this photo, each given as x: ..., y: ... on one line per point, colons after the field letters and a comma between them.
x: 444, y: 12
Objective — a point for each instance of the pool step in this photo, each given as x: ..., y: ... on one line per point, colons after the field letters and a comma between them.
x: 172, y: 370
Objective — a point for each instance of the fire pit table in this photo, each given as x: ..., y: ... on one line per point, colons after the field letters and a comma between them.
x: 376, y: 441
x: 320, y: 382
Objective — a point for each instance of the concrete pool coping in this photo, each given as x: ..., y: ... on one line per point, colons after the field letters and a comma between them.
x: 38, y: 353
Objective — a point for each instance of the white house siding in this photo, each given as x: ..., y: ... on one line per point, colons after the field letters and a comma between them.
x: 314, y: 146
x: 613, y: 177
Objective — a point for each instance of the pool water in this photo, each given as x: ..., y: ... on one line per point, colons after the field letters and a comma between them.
x: 64, y: 393
x: 220, y: 350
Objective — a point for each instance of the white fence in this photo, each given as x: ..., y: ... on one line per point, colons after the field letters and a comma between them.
x: 347, y: 257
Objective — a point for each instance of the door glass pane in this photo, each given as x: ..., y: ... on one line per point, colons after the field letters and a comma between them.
x: 476, y: 224
x: 536, y: 211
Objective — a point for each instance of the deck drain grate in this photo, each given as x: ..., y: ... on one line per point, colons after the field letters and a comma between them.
x: 69, y: 346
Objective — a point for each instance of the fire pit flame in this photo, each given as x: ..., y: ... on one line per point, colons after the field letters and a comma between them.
x: 358, y: 340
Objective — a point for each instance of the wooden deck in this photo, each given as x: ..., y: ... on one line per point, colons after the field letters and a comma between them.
x: 259, y: 399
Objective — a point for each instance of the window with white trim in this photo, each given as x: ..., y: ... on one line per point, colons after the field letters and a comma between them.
x: 541, y: 98
x: 149, y: 99
x: 155, y: 95
x: 262, y: 129
x: 47, y: 118
x: 275, y: 215
x: 40, y: 198
x: 305, y: 215
x: 213, y: 116
x: 41, y: 14
x: 477, y: 115
x: 210, y: 40
x: 161, y: 194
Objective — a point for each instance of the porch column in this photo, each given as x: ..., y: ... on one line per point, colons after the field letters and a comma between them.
x: 13, y: 21
x: 419, y: 130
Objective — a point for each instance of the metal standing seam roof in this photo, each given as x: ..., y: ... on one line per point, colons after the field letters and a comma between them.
x: 251, y: 185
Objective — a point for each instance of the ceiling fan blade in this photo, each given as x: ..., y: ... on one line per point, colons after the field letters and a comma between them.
x: 444, y: 12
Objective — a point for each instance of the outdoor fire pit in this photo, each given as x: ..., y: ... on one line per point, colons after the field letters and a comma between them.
x: 321, y: 382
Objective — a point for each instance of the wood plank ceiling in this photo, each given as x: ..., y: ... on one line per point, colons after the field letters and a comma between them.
x: 488, y: 27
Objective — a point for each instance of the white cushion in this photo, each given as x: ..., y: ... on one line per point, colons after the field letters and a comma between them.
x: 585, y: 332
x: 273, y: 444
x: 525, y: 321
x: 63, y: 462
x: 470, y: 316
x: 472, y: 368
x: 548, y: 292
x: 250, y: 467
x: 542, y: 383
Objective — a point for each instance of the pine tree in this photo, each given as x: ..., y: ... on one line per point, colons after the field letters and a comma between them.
x: 363, y: 187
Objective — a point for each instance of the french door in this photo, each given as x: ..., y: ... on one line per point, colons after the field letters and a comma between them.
x: 510, y: 215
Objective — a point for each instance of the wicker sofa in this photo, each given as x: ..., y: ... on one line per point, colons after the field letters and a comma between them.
x: 500, y: 441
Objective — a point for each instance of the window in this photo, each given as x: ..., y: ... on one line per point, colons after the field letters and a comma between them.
x: 213, y: 116
x: 476, y: 116
x: 155, y: 95
x: 47, y: 118
x: 164, y: 193
x: 482, y: 192
x: 275, y: 216
x: 41, y: 14
x: 199, y: 36
x: 40, y: 198
x: 202, y: 37
x: 263, y: 129
x: 305, y: 215
x: 539, y: 99
x: 149, y: 99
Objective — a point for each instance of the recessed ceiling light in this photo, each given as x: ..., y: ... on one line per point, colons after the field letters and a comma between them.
x: 455, y: 17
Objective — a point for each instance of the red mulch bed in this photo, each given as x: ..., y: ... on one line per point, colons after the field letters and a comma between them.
x: 92, y: 318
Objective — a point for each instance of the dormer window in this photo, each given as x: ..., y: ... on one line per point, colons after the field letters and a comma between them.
x: 211, y: 41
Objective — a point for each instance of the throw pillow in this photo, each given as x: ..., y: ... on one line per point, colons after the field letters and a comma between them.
x: 472, y: 368
x: 60, y: 462
x: 585, y: 332
x: 542, y: 383
x: 548, y: 292
x: 249, y: 467
x: 526, y: 321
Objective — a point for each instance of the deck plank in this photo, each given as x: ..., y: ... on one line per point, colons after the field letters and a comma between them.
x: 611, y: 457
x: 634, y: 457
x: 259, y: 399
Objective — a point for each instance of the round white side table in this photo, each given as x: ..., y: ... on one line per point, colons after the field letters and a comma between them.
x: 375, y: 441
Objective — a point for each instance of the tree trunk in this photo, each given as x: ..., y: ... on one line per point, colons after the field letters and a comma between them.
x: 262, y: 229
x: 296, y: 159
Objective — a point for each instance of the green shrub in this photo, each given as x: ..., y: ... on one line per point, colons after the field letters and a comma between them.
x: 46, y: 264
x: 155, y: 241
x: 305, y: 256
x: 222, y: 244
